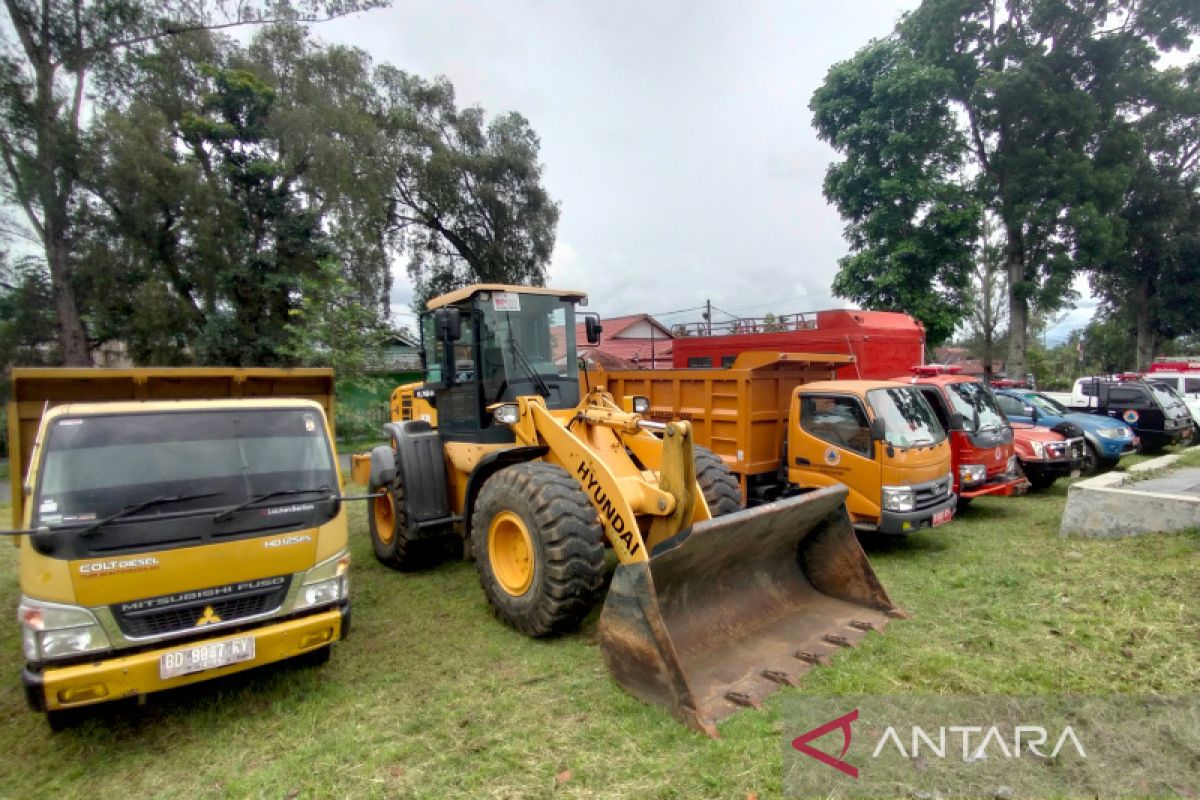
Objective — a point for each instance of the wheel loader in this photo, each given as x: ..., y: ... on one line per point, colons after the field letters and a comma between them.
x: 710, y: 607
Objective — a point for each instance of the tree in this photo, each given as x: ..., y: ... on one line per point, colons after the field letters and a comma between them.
x: 989, y: 288
x: 1039, y: 92
x: 467, y: 198
x: 911, y: 222
x: 240, y: 195
x: 50, y: 53
x: 1157, y: 270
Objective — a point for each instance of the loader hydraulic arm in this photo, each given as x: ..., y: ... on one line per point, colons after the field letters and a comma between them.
x: 592, y: 447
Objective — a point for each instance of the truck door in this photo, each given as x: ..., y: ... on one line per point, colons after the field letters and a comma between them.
x: 1134, y: 405
x: 834, y: 446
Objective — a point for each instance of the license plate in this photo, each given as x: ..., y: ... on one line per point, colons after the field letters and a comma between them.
x: 205, y: 656
x: 943, y: 516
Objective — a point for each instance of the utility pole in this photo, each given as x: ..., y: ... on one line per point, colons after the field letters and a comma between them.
x: 708, y: 315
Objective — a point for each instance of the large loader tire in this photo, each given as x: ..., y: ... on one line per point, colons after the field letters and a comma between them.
x: 396, y: 545
x: 717, y: 482
x: 539, y: 548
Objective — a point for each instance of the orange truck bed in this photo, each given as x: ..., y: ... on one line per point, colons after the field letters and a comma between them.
x: 740, y: 413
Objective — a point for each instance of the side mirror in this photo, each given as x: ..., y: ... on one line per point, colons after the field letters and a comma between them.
x: 1035, y: 415
x: 878, y: 430
x: 592, y: 323
x: 447, y: 324
x: 957, y: 421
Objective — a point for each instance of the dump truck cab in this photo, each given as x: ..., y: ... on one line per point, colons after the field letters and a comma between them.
x: 981, y: 439
x: 883, y: 441
x: 173, y: 540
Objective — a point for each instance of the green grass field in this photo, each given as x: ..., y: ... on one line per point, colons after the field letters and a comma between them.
x: 431, y: 697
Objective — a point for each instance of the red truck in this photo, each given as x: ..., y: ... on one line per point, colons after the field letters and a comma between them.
x: 981, y: 440
x: 878, y: 340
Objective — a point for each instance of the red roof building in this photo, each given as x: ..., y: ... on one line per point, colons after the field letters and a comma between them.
x: 638, y: 339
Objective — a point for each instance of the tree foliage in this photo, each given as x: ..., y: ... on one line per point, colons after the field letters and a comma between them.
x: 467, y: 195
x: 52, y: 53
x: 910, y: 222
x: 1035, y: 99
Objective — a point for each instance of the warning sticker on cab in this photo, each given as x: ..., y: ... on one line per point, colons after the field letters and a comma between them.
x: 506, y: 301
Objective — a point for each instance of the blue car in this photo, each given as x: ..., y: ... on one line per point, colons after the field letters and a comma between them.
x: 1106, y: 439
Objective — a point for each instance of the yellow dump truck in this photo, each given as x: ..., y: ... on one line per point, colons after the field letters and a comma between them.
x: 176, y: 525
x: 782, y: 424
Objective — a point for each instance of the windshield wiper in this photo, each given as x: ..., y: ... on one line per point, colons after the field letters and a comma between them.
x: 258, y: 498
x: 538, y: 383
x: 142, y: 506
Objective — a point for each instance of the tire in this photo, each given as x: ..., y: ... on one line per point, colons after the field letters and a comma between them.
x: 547, y: 570
x: 1040, y: 481
x: 717, y: 483
x: 315, y: 658
x: 1091, y: 459
x: 395, y: 544
x: 66, y: 719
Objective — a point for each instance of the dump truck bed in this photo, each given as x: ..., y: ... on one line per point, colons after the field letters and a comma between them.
x: 34, y: 390
x: 740, y: 413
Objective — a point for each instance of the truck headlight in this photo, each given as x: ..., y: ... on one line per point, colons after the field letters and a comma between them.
x: 51, y: 631
x: 1039, y: 449
x: 507, y: 414
x: 326, y: 583
x: 1011, y: 464
x: 898, y: 498
x: 639, y: 404
x: 1113, y: 433
x: 972, y: 473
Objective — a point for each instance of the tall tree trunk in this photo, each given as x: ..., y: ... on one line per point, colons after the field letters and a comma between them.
x: 1146, y: 339
x: 72, y: 339
x: 1018, y: 306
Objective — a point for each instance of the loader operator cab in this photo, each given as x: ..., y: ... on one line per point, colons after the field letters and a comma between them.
x: 489, y: 344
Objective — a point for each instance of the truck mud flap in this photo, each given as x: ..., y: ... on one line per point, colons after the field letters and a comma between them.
x: 724, y: 614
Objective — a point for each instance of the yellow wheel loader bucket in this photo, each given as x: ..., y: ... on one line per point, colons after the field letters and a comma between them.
x: 721, y: 616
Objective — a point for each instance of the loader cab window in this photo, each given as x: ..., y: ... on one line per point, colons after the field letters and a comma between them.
x: 527, y: 347
x: 841, y: 421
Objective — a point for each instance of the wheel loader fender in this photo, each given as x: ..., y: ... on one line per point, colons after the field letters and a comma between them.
x: 489, y: 465
x: 419, y: 463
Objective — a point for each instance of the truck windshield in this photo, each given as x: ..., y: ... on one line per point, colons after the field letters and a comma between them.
x: 96, y: 466
x: 976, y: 404
x: 909, y: 419
x: 527, y: 346
x: 1167, y: 397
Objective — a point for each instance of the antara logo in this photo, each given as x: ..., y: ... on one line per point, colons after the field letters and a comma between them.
x: 933, y: 743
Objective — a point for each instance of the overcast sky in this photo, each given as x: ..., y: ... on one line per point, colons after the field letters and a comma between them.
x: 675, y: 135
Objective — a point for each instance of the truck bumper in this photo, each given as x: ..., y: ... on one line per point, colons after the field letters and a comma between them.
x: 906, y: 522
x: 57, y: 688
x: 1005, y: 485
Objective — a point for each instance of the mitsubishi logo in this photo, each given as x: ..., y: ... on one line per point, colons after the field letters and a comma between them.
x: 208, y: 617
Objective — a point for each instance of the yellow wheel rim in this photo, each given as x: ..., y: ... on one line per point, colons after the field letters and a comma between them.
x: 385, y: 518
x: 510, y: 552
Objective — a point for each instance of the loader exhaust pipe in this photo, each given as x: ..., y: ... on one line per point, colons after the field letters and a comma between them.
x: 724, y: 614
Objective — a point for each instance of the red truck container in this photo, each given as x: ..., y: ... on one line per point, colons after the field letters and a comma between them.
x: 878, y: 340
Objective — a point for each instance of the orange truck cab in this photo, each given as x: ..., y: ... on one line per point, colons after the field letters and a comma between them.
x: 981, y: 438
x: 884, y: 442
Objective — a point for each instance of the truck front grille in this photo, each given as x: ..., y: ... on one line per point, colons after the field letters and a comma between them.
x: 189, y: 611
x: 928, y: 495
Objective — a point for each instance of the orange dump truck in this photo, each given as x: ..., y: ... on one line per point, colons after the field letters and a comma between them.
x: 782, y: 425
